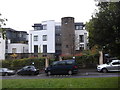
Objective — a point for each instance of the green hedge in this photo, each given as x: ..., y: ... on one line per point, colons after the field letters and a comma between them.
x: 19, y: 63
x: 86, y: 59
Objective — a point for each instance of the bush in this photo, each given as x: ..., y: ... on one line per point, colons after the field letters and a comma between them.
x: 86, y: 59
x: 19, y: 63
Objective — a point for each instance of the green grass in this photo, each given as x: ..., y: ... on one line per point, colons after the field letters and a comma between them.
x: 104, y: 82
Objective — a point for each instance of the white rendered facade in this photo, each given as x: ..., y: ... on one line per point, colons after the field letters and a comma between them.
x: 2, y: 47
x: 36, y: 38
x: 79, y: 44
x: 48, y: 32
x: 17, y: 48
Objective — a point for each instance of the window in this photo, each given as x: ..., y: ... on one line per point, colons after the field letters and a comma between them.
x: 35, y: 48
x: 0, y: 36
x: 45, y: 27
x: 116, y: 63
x: 44, y: 48
x: 67, y: 46
x: 81, y: 47
x: 69, y: 63
x: 44, y: 37
x: 81, y: 38
x: 61, y: 63
x: 55, y: 63
x: 14, y: 50
x: 36, y: 38
x: 57, y: 27
x: 78, y: 27
x: 37, y: 28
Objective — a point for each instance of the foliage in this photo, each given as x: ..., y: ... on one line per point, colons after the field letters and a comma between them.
x: 14, y: 55
x: 104, y: 28
x: 86, y: 59
x: 103, y: 82
x: 19, y: 63
x: 2, y: 23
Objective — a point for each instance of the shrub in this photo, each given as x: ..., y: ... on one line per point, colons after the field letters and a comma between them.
x: 86, y: 59
x: 19, y: 63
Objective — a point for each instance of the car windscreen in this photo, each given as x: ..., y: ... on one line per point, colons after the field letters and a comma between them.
x: 54, y: 63
x: 69, y: 62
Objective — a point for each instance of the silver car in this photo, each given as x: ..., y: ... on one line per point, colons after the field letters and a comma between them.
x: 111, y: 66
x: 6, y: 71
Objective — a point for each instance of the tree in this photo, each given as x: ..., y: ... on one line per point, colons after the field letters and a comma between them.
x: 2, y: 23
x: 104, y: 28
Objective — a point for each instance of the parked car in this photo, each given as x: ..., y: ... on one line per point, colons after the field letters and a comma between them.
x: 28, y: 70
x: 6, y: 71
x: 114, y: 65
x: 62, y: 67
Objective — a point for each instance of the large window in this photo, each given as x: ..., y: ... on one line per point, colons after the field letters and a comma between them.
x: 44, y: 37
x: 36, y: 38
x: 81, y: 38
x: 44, y: 48
x: 35, y: 48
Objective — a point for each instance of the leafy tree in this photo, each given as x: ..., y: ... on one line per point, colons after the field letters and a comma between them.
x: 104, y: 28
x: 2, y: 23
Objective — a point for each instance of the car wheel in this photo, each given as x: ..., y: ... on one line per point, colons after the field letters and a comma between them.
x: 48, y: 73
x: 32, y: 73
x: 104, y: 70
x: 70, y: 72
x: 6, y: 74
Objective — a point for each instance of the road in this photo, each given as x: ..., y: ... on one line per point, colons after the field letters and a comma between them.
x: 82, y: 74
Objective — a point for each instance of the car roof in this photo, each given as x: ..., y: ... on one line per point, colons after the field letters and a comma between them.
x: 115, y: 60
x: 65, y: 60
x: 3, y: 68
x: 69, y: 60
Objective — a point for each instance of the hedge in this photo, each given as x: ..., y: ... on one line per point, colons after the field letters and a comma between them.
x: 86, y: 59
x: 19, y: 63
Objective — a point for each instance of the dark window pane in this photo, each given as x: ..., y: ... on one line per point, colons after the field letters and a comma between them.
x: 44, y: 48
x: 35, y: 48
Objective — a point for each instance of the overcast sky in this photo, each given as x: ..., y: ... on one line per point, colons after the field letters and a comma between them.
x: 22, y: 14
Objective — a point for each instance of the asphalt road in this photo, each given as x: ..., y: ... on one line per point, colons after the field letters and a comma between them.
x: 81, y: 74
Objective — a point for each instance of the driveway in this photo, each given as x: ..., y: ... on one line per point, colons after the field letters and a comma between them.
x: 81, y: 74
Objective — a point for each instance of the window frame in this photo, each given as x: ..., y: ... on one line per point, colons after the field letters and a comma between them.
x: 45, y: 27
x: 35, y: 37
x: 14, y: 50
x: 44, y: 37
x: 81, y: 38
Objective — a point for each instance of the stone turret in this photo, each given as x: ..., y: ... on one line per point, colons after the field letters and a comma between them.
x: 68, y: 35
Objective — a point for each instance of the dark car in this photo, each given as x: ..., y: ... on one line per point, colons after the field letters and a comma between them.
x: 6, y: 71
x: 62, y: 67
x: 28, y: 70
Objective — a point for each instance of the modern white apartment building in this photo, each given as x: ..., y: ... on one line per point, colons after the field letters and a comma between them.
x: 46, y: 37
x: 42, y: 38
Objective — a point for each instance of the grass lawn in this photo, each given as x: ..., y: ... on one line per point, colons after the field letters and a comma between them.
x: 102, y: 82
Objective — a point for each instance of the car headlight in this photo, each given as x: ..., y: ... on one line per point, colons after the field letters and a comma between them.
x: 10, y: 71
